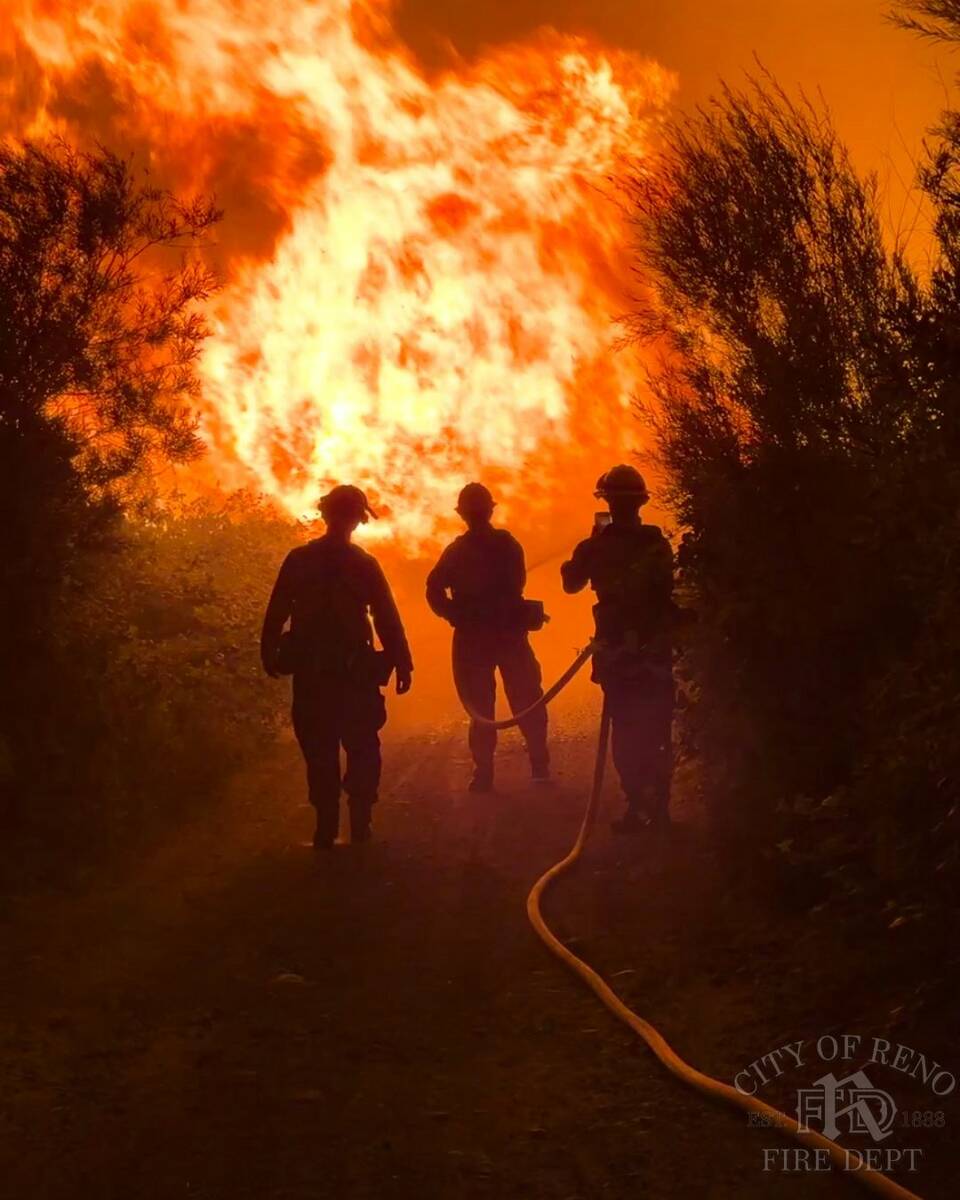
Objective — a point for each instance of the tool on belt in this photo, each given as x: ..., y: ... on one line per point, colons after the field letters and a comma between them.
x: 360, y: 662
x: 520, y: 616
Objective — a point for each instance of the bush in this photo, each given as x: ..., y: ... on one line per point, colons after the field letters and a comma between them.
x: 806, y: 417
x: 153, y: 694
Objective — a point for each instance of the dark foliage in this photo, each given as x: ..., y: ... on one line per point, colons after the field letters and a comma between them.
x: 154, y: 695
x: 936, y: 19
x: 806, y: 415
x: 98, y: 339
x: 100, y: 329
x: 95, y: 342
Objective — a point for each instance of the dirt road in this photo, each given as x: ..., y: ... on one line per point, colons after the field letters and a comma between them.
x: 237, y: 1018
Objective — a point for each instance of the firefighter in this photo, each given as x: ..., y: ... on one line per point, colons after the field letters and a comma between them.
x: 629, y: 565
x: 329, y: 589
x: 477, y: 585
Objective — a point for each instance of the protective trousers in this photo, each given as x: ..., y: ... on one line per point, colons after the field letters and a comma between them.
x: 330, y: 712
x: 478, y: 653
x: 641, y: 719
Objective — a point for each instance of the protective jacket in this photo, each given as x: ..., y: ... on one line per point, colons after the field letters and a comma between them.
x: 330, y: 590
x: 631, y: 570
x: 478, y: 581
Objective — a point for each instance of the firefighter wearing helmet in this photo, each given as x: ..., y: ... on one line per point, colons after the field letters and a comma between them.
x: 629, y: 565
x: 328, y: 590
x: 477, y: 585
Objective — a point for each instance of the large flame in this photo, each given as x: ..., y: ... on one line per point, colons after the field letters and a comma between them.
x: 421, y: 273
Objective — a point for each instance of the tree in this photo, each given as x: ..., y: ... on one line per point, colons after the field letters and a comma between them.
x: 788, y: 396
x: 936, y: 19
x: 99, y: 336
x: 806, y: 411
x: 97, y: 346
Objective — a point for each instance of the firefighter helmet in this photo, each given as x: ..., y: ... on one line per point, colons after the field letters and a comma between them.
x: 622, y: 480
x: 475, y: 498
x: 348, y: 501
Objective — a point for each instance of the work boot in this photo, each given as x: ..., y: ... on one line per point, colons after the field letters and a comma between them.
x: 540, y: 771
x: 482, y: 780
x: 359, y: 821
x: 323, y: 836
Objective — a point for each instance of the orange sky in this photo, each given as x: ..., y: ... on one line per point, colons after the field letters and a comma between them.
x: 884, y: 86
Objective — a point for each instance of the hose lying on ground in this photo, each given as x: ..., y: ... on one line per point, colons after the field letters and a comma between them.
x: 848, y: 1162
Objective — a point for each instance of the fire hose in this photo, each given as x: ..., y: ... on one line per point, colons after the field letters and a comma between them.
x: 847, y: 1161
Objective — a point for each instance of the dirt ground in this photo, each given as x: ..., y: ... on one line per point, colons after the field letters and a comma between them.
x: 238, y: 1017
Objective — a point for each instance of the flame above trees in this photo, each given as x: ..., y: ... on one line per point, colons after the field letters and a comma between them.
x: 421, y: 274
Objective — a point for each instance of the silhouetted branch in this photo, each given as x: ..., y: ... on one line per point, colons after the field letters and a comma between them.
x: 938, y: 20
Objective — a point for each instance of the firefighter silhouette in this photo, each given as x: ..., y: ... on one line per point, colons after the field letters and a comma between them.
x: 329, y: 589
x: 629, y: 565
x: 477, y: 585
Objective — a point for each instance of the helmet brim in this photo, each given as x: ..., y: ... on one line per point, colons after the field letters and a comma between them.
x: 607, y: 495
